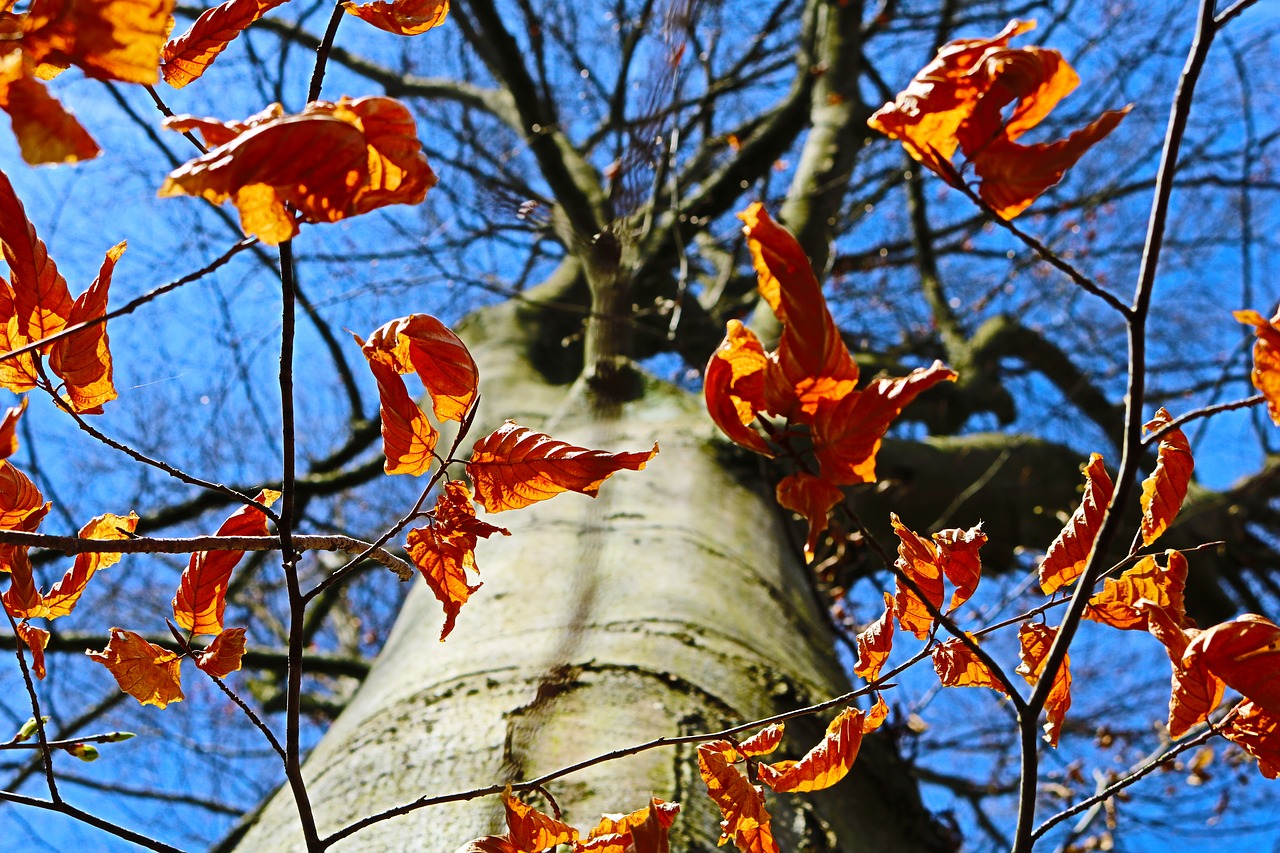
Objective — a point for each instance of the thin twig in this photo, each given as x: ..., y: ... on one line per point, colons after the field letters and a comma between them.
x: 90, y: 819
x: 42, y: 737
x: 1202, y: 412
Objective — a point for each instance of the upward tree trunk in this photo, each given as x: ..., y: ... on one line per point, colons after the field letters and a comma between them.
x: 669, y: 605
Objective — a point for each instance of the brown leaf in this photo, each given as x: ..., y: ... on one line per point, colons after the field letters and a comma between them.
x: 402, y: 17
x: 1244, y: 653
x: 958, y: 666
x: 201, y: 599
x: 36, y: 640
x: 959, y: 560
x: 746, y: 821
x: 1257, y: 731
x: 762, y: 742
x: 917, y: 559
x: 1036, y: 638
x: 1161, y: 586
x: 46, y: 132
x: 145, y: 671
x: 812, y: 497
x: 825, y: 764
x: 733, y: 386
x: 1066, y: 557
x: 21, y: 504
x: 41, y: 302
x: 9, y: 429
x: 514, y: 466
x: 408, y: 438
x: 641, y: 831
x: 875, y: 643
x: 531, y: 831
x: 423, y: 345
x: 1194, y: 693
x: 62, y: 598
x: 1266, y: 357
x: 22, y: 598
x: 222, y: 657
x: 189, y: 55
x: 83, y: 359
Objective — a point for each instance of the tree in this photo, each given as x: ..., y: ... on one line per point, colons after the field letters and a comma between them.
x: 610, y: 226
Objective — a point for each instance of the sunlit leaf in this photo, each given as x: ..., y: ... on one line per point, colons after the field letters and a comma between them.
x: 83, y: 359
x: 762, y: 742
x: 40, y: 299
x: 1194, y: 693
x: 189, y: 55
x: 36, y: 640
x: 514, y: 466
x: 812, y: 497
x: 734, y: 386
x: 876, y: 716
x: 531, y: 831
x: 1257, y: 732
x: 9, y: 429
x: 222, y: 657
x: 107, y: 39
x: 21, y: 504
x: 62, y: 598
x: 1166, y: 488
x: 1036, y: 638
x: 1162, y: 586
x: 201, y: 599
x: 423, y: 345
x: 746, y: 821
x: 1266, y: 358
x: 1244, y: 653
x: 958, y: 666
x: 46, y: 131
x: 22, y: 598
x: 1066, y: 557
x: 408, y: 438
x: 875, y: 643
x: 825, y: 764
x: 917, y: 559
x: 958, y: 558
x: 402, y: 17
x: 145, y: 671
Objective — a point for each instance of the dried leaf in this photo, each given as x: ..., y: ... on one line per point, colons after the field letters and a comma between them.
x: 531, y: 831
x: 958, y: 558
x: 36, y: 640
x: 1066, y: 557
x: 1036, y: 638
x: 83, y: 359
x: 1161, y: 586
x: 917, y: 559
x: 734, y: 386
x: 408, y: 438
x: 813, y: 498
x: 1257, y: 732
x: 1194, y: 693
x: 222, y: 657
x: 1244, y: 653
x: 514, y: 466
x: 145, y: 671
x: 1266, y: 357
x: 423, y: 345
x: 21, y: 504
x: 41, y: 302
x: 107, y: 39
x: 62, y: 598
x: 9, y: 429
x: 46, y: 132
x: 958, y: 666
x: 875, y: 643
x: 402, y: 17
x: 643, y: 831
x: 876, y: 716
x: 762, y: 742
x: 189, y: 55
x: 22, y: 598
x: 1164, y: 491
x: 825, y: 764
x: 746, y: 821
x: 201, y: 599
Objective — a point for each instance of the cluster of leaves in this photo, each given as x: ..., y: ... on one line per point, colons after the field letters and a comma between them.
x: 530, y: 831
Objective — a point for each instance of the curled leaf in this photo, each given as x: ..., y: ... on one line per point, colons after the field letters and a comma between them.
x: 36, y: 640
x: 1036, y: 638
x: 408, y: 438
x: 762, y: 742
x: 734, y: 386
x: 1166, y: 488
x: 9, y: 429
x: 1257, y: 732
x: 145, y: 671
x: 189, y: 55
x: 62, y: 598
x: 107, y: 39
x: 958, y: 666
x: 1266, y: 358
x: 222, y: 657
x: 1194, y: 693
x: 423, y: 345
x: 825, y: 764
x: 83, y: 359
x: 1066, y: 557
x: 402, y: 17
x: 1245, y: 654
x: 875, y: 642
x: 46, y: 131
x: 812, y: 497
x: 746, y: 821
x: 531, y: 831
x: 1159, y: 586
x: 959, y: 560
x: 917, y: 559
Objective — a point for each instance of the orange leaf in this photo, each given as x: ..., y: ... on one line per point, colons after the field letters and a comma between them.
x: 531, y: 831
x: 1266, y: 358
x: 62, y: 598
x: 762, y: 742
x: 40, y: 299
x: 875, y: 642
x: 189, y: 55
x: 489, y: 844
x: 847, y: 432
x: 201, y: 599
x: 1160, y: 586
x: 917, y: 559
x: 83, y: 359
x: 1066, y: 557
x: 644, y: 830
x: 1194, y: 693
x: 21, y: 504
x: 9, y: 429
x: 145, y: 671
x: 1257, y: 731
x: 957, y: 666
x: 876, y: 716
x: 107, y: 39
x: 734, y: 386
x: 423, y: 345
x: 959, y: 560
x: 811, y: 497
x: 1244, y: 653
x: 223, y: 655
x: 514, y: 466
x: 746, y: 821
x: 402, y: 17
x: 1036, y: 639
x: 330, y: 162
x: 22, y: 598
x: 1164, y: 491
x: 825, y: 764
x: 36, y: 640
x: 408, y: 438
x: 46, y: 132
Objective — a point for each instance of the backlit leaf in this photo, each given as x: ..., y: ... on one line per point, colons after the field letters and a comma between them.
x: 22, y: 598
x: 408, y: 438
x: 36, y: 640
x: 1266, y: 358
x: 958, y: 666
x: 1036, y: 638
x: 531, y: 831
x: 878, y: 713
x: 83, y: 359
x: 189, y: 55
x: 825, y: 764
x: 423, y: 345
x: 223, y: 655
x: 46, y: 131
x: 734, y: 386
x: 62, y: 598
x: 1257, y: 731
x: 762, y: 742
x: 21, y: 504
x: 1194, y: 693
x: 107, y: 39
x: 1161, y: 586
x: 1066, y: 557
x: 514, y: 466
x: 1164, y: 491
x: 917, y: 559
x: 402, y: 17
x: 201, y: 599
x: 959, y: 560
x: 812, y: 497
x: 641, y: 831
x: 1244, y: 653
x: 875, y: 642
x: 40, y: 299
x: 145, y: 671
x: 746, y: 821
x: 9, y: 429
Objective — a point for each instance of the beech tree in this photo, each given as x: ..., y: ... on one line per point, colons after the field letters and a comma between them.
x: 582, y: 169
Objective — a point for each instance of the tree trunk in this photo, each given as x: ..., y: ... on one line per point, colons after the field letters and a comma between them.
x: 672, y: 604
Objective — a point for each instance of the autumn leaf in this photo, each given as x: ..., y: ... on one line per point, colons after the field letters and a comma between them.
x: 39, y: 300
x: 746, y: 821
x: 811, y: 497
x: 21, y: 504
x: 1066, y: 557
x: 1245, y: 654
x: 875, y: 642
x: 330, y: 162
x: 145, y: 671
x: 189, y: 55
x: 222, y: 657
x: 876, y: 716
x: 83, y: 359
x: 762, y: 742
x: 642, y: 831
x: 1194, y: 693
x: 36, y: 640
x: 408, y: 438
x: 733, y: 386
x: 531, y: 831
x: 825, y: 764
x: 201, y: 599
x: 917, y: 559
x: 9, y: 429
x: 1147, y: 580
x: 514, y: 466
x: 959, y: 100
x: 958, y: 558
x: 1166, y: 488
x: 423, y: 345
x: 1266, y: 357
x: 1257, y: 732
x: 107, y: 39
x: 62, y: 598
x: 46, y: 131
x: 22, y: 598
x: 402, y: 17
x: 958, y: 666
x: 1036, y: 638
